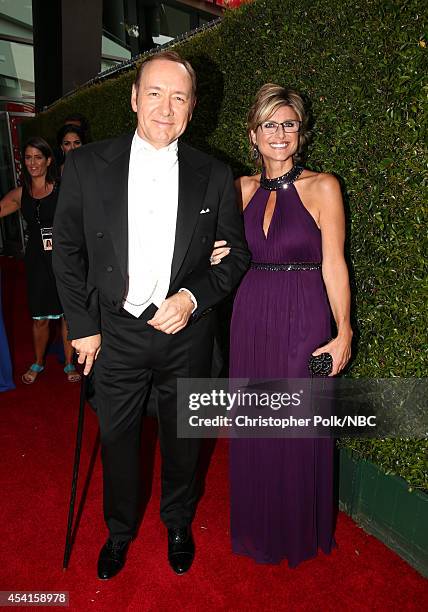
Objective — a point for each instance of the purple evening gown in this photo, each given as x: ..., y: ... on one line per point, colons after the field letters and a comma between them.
x: 281, y: 489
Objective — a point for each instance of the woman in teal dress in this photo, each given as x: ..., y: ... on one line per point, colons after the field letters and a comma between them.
x: 6, y: 380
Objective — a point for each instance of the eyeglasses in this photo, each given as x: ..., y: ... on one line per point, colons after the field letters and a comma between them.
x: 271, y: 127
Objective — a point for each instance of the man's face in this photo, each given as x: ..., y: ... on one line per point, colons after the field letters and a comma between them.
x: 163, y: 102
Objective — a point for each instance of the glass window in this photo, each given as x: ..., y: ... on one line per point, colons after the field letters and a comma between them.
x: 112, y: 53
x: 18, y: 11
x: 114, y: 21
x: 174, y: 22
x: 16, y: 70
x: 16, y: 19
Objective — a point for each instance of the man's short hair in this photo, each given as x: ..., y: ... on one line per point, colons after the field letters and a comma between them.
x: 170, y: 56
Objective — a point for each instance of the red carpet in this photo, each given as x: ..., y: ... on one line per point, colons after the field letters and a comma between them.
x: 37, y: 440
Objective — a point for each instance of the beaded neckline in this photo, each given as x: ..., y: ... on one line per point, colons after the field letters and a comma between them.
x: 280, y: 182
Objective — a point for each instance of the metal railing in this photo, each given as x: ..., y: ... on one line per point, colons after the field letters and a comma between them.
x: 130, y: 64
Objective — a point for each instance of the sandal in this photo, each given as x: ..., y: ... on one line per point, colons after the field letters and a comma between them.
x: 72, y: 374
x: 31, y: 374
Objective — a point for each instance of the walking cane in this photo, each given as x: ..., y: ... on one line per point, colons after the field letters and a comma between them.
x: 77, y: 451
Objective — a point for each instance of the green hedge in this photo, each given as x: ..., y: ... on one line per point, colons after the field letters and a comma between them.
x: 362, y: 64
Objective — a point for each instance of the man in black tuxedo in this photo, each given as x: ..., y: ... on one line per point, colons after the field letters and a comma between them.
x: 135, y: 225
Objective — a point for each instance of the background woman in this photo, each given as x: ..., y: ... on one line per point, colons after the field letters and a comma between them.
x: 69, y: 137
x: 37, y: 200
x: 282, y: 489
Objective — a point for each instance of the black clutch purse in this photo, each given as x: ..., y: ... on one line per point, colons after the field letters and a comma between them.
x: 321, y: 365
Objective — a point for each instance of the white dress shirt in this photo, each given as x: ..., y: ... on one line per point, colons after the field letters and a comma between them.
x: 152, y: 216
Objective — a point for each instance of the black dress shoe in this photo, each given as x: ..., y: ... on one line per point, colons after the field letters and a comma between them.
x: 181, y: 549
x: 112, y: 558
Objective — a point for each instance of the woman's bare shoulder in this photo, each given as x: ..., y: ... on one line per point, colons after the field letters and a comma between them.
x: 323, y: 180
x: 247, y: 187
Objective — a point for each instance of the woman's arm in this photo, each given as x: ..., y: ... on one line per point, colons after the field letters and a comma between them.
x: 11, y: 202
x: 220, y: 250
x: 334, y: 268
x: 245, y: 186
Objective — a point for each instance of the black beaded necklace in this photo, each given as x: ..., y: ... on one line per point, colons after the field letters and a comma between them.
x: 280, y: 182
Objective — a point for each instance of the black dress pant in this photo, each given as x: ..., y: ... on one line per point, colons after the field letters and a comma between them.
x: 133, y: 357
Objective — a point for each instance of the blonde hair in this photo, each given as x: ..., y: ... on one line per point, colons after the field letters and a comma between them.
x: 267, y: 101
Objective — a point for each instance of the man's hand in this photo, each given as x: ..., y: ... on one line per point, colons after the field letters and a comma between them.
x: 87, y: 350
x: 173, y: 314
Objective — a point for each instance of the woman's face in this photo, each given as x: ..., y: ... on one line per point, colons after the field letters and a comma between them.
x: 35, y: 162
x: 70, y: 141
x: 278, y: 145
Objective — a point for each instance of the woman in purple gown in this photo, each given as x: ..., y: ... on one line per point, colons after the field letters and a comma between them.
x: 282, y: 489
